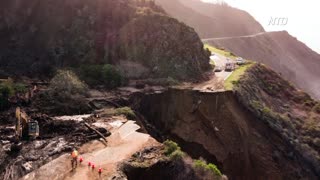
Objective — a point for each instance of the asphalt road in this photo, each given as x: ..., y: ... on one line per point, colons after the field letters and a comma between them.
x: 221, y: 61
x: 231, y: 37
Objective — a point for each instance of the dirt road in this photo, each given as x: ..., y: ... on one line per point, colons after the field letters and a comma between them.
x: 123, y: 142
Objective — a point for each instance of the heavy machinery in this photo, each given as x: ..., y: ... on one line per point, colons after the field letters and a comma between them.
x: 25, y: 128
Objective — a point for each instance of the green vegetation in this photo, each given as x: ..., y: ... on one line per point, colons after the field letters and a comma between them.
x: 6, y: 90
x: 66, y: 95
x: 264, y: 92
x: 233, y: 79
x: 202, y: 165
x: 20, y: 88
x: 220, y: 51
x: 106, y: 75
x: 127, y: 111
x: 172, y: 150
x: 9, y: 89
x: 67, y: 83
x: 181, y: 56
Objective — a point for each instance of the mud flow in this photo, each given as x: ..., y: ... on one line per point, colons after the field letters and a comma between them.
x: 216, y: 127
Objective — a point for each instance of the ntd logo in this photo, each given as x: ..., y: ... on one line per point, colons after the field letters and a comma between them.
x: 278, y: 21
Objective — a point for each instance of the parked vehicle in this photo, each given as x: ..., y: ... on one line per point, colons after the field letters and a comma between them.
x: 240, y: 61
x: 218, y: 69
x: 230, y: 66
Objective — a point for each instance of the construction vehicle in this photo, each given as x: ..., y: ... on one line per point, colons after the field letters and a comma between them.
x: 25, y: 128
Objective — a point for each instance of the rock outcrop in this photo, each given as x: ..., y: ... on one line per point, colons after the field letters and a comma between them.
x: 39, y: 36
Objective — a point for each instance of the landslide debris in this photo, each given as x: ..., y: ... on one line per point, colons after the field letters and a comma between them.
x: 40, y: 36
x: 56, y: 137
x: 289, y: 112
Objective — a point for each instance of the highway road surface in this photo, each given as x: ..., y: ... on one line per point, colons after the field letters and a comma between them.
x: 221, y: 61
x: 231, y: 37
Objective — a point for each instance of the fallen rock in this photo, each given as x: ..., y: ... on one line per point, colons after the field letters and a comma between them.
x: 5, y: 142
x: 27, y: 166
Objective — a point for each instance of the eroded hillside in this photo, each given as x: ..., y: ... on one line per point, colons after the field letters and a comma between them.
x: 247, y: 133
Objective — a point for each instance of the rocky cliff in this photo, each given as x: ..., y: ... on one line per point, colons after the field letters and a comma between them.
x: 39, y: 36
x: 266, y: 128
x: 216, y: 127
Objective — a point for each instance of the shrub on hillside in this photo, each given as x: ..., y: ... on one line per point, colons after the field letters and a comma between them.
x: 111, y: 77
x: 172, y: 150
x: 65, y: 95
x: 6, y: 90
x: 203, y: 167
x: 127, y: 111
x: 106, y: 75
x: 67, y: 82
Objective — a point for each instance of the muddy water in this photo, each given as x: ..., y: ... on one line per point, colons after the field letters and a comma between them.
x: 216, y: 127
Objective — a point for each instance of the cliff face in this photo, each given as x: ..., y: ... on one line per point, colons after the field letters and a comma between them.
x: 46, y: 34
x: 289, y: 112
x: 218, y: 128
x: 212, y: 20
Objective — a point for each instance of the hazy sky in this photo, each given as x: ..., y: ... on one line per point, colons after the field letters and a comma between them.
x: 303, y: 17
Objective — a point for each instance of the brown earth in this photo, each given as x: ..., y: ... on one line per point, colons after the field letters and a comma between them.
x: 215, y: 126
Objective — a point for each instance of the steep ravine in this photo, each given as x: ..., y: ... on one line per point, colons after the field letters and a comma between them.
x: 216, y: 127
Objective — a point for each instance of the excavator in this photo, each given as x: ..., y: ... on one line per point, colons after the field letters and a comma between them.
x: 25, y: 129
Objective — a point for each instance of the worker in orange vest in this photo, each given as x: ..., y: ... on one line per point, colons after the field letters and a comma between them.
x: 74, y: 156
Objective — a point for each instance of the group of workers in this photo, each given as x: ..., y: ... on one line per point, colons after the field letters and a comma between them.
x: 74, y: 161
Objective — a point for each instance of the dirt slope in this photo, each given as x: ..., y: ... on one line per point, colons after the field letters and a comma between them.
x: 283, y: 53
x: 212, y: 20
x: 216, y: 127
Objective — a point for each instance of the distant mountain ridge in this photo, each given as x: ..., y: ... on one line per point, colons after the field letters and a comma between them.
x: 212, y: 20
x: 286, y: 55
